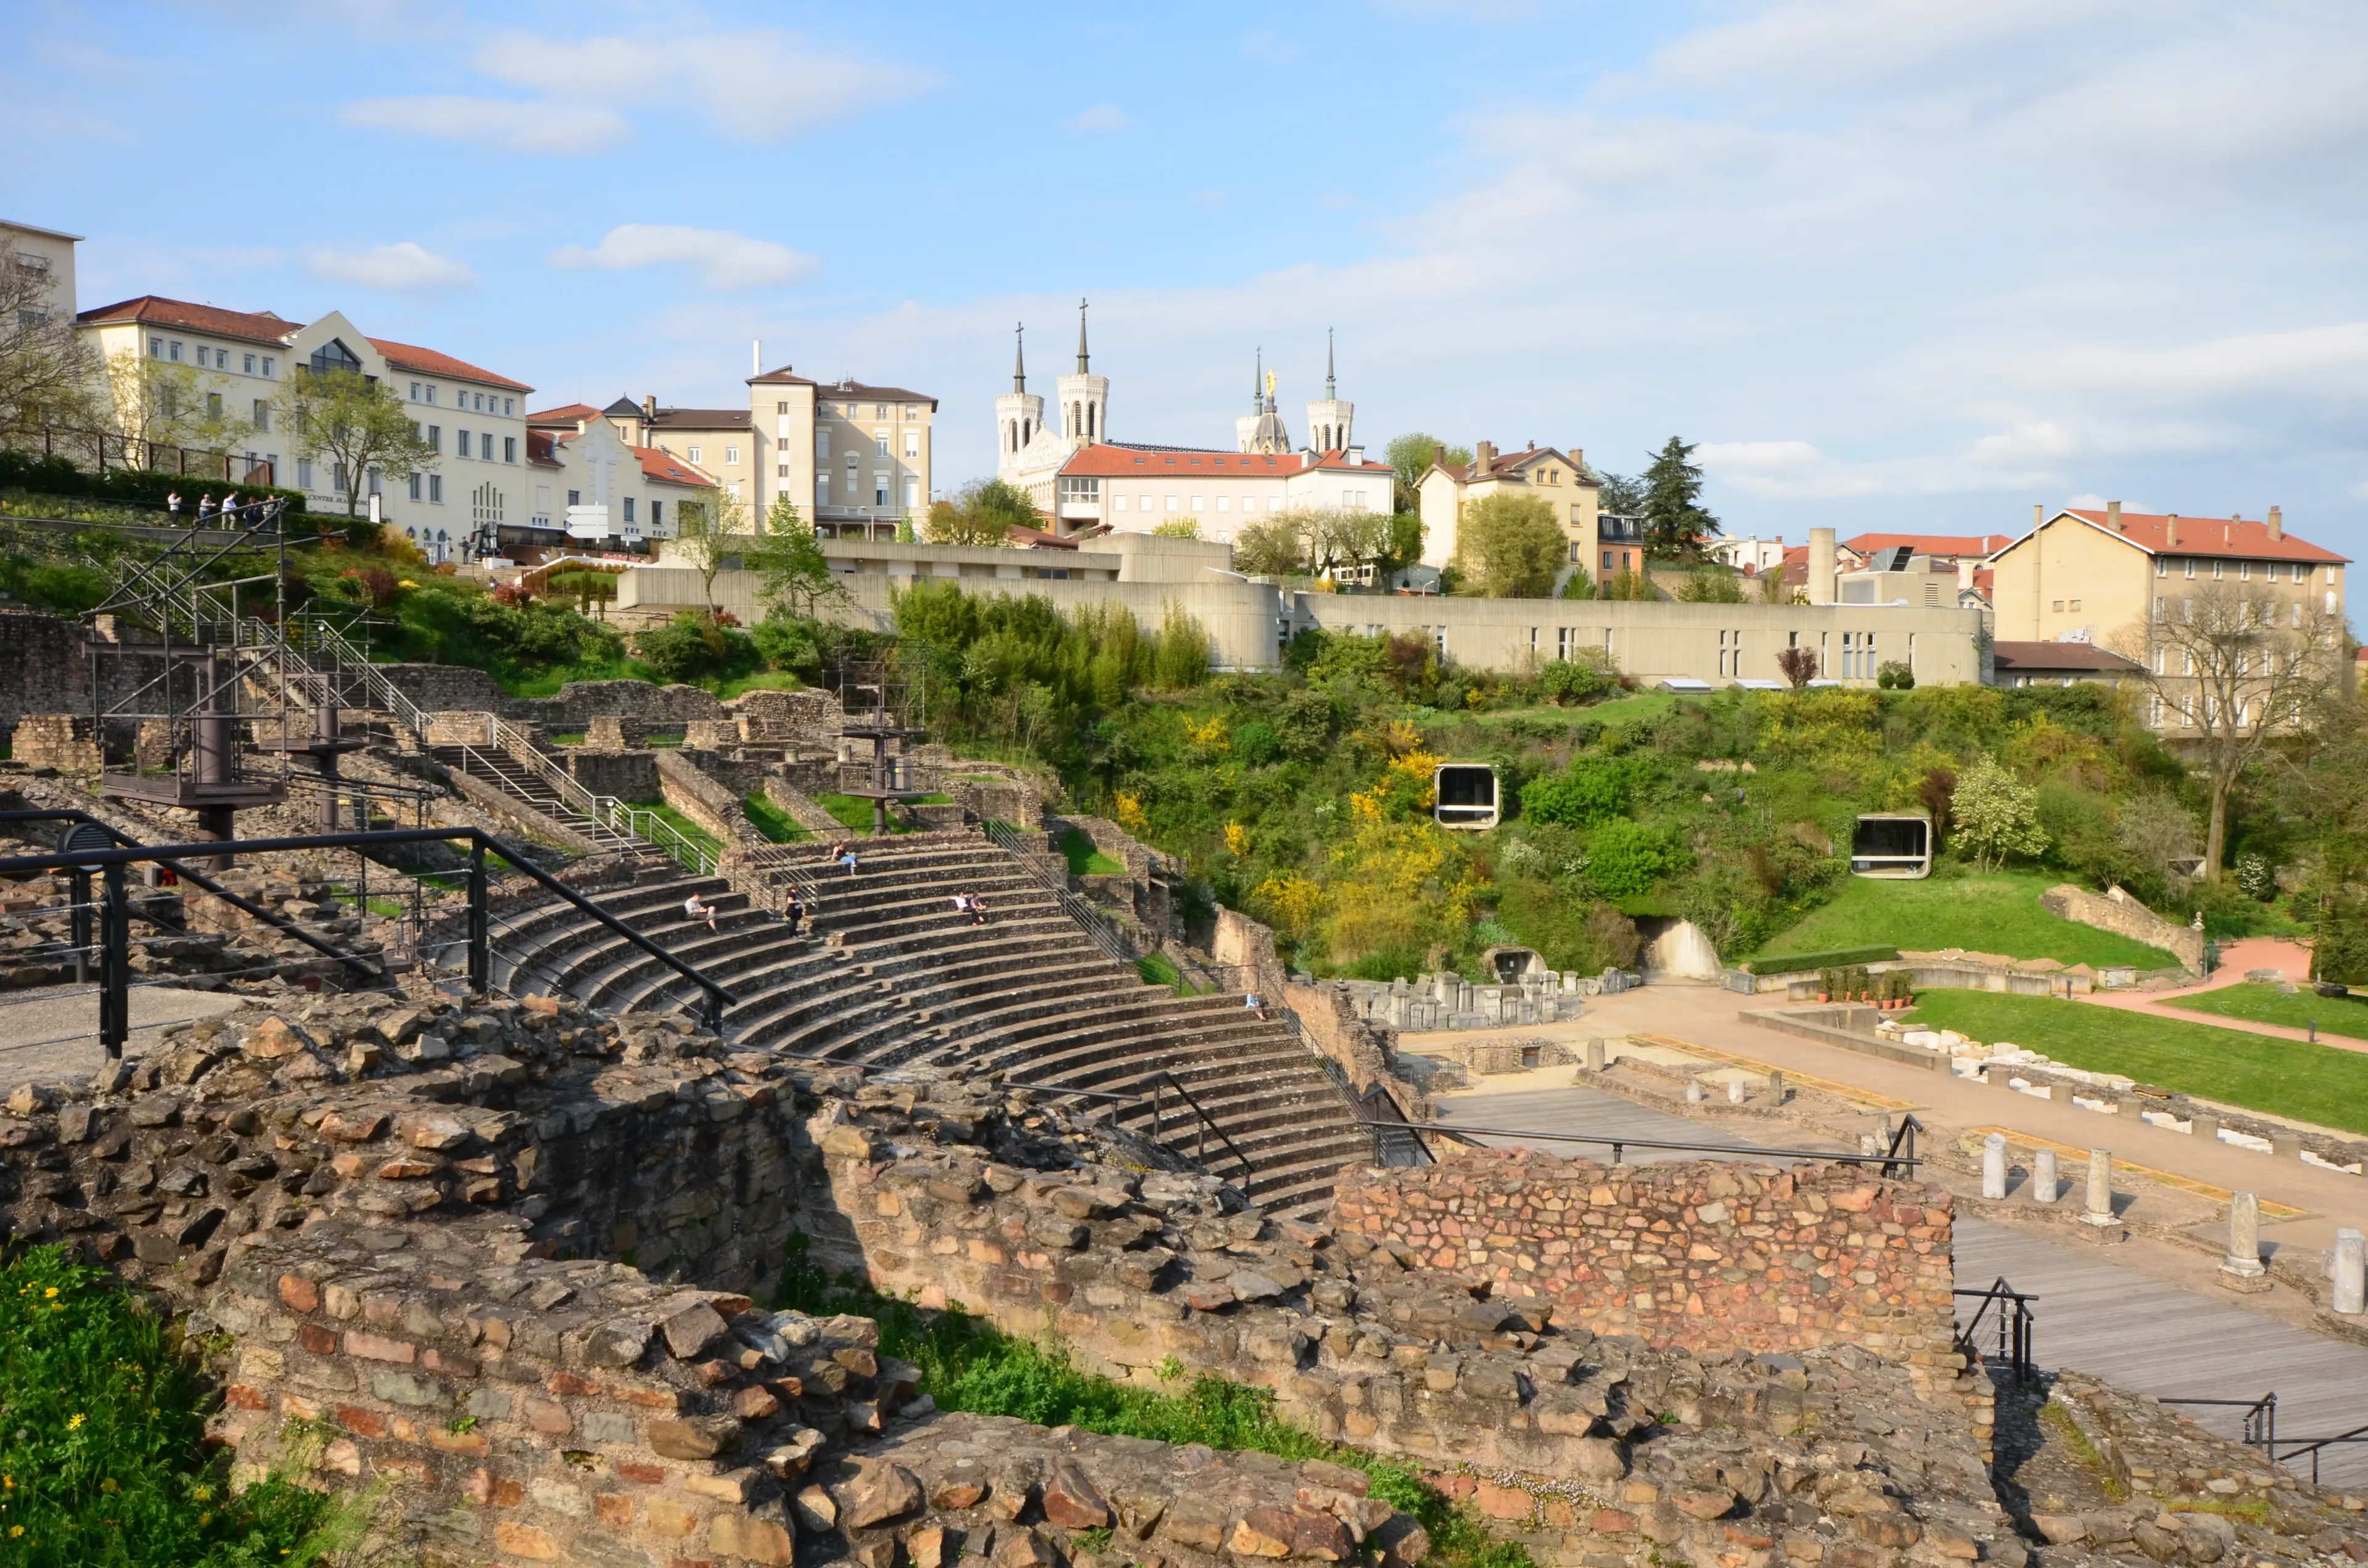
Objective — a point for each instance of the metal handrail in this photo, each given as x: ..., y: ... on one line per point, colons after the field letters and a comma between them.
x: 1082, y: 914
x: 1207, y: 1122
x: 2014, y: 1324
x: 1622, y: 1144
x: 2312, y: 1446
x: 2261, y: 1419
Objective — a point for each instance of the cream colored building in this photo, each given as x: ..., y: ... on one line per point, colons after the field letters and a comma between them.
x: 1560, y: 481
x: 46, y: 255
x: 596, y: 487
x: 2085, y: 573
x: 855, y: 458
x: 238, y: 360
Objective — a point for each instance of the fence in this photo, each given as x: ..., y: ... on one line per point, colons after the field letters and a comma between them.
x: 154, y: 456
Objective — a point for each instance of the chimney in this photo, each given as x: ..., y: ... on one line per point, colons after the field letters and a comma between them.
x: 1964, y: 576
x: 1439, y: 453
x: 2114, y: 516
x: 2171, y: 530
x: 650, y: 406
x: 755, y: 356
x: 1821, y: 566
x: 2277, y: 525
x: 2038, y: 516
x: 1484, y: 460
x: 1579, y: 460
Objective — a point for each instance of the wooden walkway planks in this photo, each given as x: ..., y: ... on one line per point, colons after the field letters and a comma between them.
x: 2093, y: 1313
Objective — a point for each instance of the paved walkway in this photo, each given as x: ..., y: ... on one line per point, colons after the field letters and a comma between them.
x: 33, y: 1025
x: 2093, y: 1313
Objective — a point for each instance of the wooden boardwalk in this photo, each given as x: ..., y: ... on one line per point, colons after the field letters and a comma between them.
x: 2092, y: 1313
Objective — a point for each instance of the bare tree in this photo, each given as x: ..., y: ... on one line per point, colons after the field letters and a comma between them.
x: 709, y: 531
x: 157, y: 404
x: 360, y: 426
x: 48, y: 374
x: 2229, y: 667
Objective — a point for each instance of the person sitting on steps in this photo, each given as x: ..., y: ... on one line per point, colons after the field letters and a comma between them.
x: 694, y: 910
x: 794, y: 912
x: 977, y: 909
x: 1252, y: 1004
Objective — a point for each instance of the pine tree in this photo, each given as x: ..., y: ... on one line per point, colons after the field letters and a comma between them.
x: 1675, y: 522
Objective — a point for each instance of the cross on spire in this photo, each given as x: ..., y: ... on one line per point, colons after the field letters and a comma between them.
x: 1082, y: 358
x: 1328, y: 392
x: 1020, y: 358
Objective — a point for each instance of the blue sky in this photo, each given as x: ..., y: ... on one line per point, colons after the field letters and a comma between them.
x: 1894, y: 264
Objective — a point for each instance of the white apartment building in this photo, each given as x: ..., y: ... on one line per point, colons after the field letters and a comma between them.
x: 855, y: 458
x: 594, y: 488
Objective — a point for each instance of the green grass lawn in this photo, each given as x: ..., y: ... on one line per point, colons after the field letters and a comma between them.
x: 2261, y: 1003
x: 1996, y: 914
x: 772, y: 822
x: 856, y: 813
x: 683, y: 825
x: 104, y: 1442
x: 1085, y: 860
x: 2321, y: 1084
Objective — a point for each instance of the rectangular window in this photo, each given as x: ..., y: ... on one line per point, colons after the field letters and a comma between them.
x: 822, y: 489
x: 1117, y: 502
x: 338, y: 478
x: 1225, y: 503
x: 436, y: 488
x: 575, y: 497
x: 460, y: 447
x: 415, y: 486
x: 435, y: 438
x: 880, y: 490
x: 415, y: 392
x: 377, y: 482
x: 262, y: 417
x: 2219, y: 569
x: 879, y: 411
x: 304, y: 473
x: 213, y: 405
x: 692, y: 453
x: 2162, y: 565
x: 822, y: 444
x: 782, y: 471
x: 657, y: 513
x: 247, y: 364
x: 173, y: 351
x: 912, y: 443
x: 911, y: 493
x: 2161, y: 608
x: 509, y: 448
x: 1143, y: 503
x: 267, y: 367
x: 731, y: 454
x: 1197, y: 502
x: 431, y: 396
x: 880, y: 443
x: 509, y: 408
x: 629, y: 508
x: 1173, y: 502
x: 155, y: 348
x: 780, y: 408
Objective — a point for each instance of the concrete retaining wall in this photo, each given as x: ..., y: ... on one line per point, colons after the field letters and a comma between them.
x: 2117, y: 912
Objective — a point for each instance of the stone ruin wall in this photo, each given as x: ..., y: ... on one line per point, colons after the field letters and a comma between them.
x: 498, y: 1258
x: 2125, y: 917
x: 1708, y: 1256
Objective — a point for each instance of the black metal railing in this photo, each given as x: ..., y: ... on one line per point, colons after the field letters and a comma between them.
x: 1088, y: 919
x: 2311, y: 1445
x: 1619, y: 1143
x: 2008, y: 1310
x: 2260, y: 1418
x: 1162, y: 1083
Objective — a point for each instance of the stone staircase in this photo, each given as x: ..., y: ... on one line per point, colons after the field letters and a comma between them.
x: 521, y: 783
x: 887, y: 975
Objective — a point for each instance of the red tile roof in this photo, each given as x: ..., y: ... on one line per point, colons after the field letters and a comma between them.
x: 428, y: 362
x: 1931, y: 544
x: 2227, y: 537
x: 542, y: 448
x: 858, y: 391
x: 668, y: 469
x: 248, y: 326
x: 566, y: 414
x: 1130, y: 461
x: 1506, y: 465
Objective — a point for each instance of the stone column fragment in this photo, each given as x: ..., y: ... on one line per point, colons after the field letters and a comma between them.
x: 2044, y: 1186
x: 1994, y: 1165
x: 2241, y: 1269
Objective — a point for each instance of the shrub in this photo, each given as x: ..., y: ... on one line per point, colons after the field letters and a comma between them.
x: 1893, y: 674
x: 1570, y: 680
x: 1257, y: 743
x: 689, y: 647
x: 1623, y: 860
x: 1703, y: 586
x: 1594, y: 790
x: 788, y: 643
x: 56, y: 476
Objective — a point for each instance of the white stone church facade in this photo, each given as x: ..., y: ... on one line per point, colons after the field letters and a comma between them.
x: 1081, y: 479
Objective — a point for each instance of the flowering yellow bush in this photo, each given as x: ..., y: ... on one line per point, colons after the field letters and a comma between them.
x: 1130, y: 815
x: 1237, y: 839
x: 1290, y: 902
x: 1209, y: 736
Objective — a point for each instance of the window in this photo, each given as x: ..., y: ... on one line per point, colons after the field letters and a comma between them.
x: 509, y: 448
x: 912, y: 443
x: 377, y: 482
x: 2243, y: 570
x: 879, y: 411
x: 1172, y: 502
x: 1117, y: 502
x: 2161, y: 608
x: 262, y: 417
x: 2162, y: 565
x: 247, y: 364
x: 435, y: 436
x: 822, y: 489
x: 266, y: 376
x: 880, y: 443
x: 575, y: 497
x: 304, y: 473
x: 1196, y: 503
x: 2219, y: 569
x: 436, y: 488
x: 2076, y: 607
x: 213, y: 405
x: 416, y: 487
x: 731, y: 454
x: 2056, y: 607
x: 912, y: 492
x: 509, y: 408
x: 1606, y: 561
x: 1225, y: 503
x: 415, y: 392
x: 173, y: 351
x: 880, y: 490
x: 657, y: 513
x: 477, y: 401
x: 2191, y: 568
x: 460, y: 440
x: 629, y: 508
x: 822, y: 443
x: 692, y: 453
x: 431, y: 395
x: 782, y: 471
x: 780, y: 408
x: 155, y: 348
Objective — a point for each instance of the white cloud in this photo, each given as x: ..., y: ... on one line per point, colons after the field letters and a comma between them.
x: 404, y: 267
x: 1101, y: 117
x: 724, y: 261
x: 758, y: 84
x: 506, y: 125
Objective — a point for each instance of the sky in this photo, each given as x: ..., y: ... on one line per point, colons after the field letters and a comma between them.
x: 1892, y: 264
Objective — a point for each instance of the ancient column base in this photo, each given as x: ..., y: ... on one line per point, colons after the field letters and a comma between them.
x: 2102, y: 1229
x: 2248, y: 1281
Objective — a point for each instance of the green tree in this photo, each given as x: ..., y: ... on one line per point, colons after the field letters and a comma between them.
x: 1410, y: 456
x: 1407, y: 535
x: 46, y: 368
x: 1509, y: 546
x: 360, y: 426
x: 1624, y: 859
x: 1998, y: 815
x: 1629, y: 584
x: 1621, y: 495
x: 1703, y: 586
x: 793, y: 574
x: 1342, y: 540
x: 981, y: 513
x: 1278, y: 547
x: 1581, y: 584
x: 708, y: 532
x: 1176, y: 527
x: 156, y: 402
x: 1594, y: 790
x: 1674, y: 519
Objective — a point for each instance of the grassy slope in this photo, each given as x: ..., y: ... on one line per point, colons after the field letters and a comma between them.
x: 2265, y: 1003
x: 1085, y: 860
x: 1998, y: 913
x: 772, y: 822
x: 2321, y: 1084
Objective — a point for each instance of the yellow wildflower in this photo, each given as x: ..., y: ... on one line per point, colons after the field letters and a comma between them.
x: 1237, y: 839
x: 108, y: 1485
x: 73, y: 1421
x: 51, y: 1293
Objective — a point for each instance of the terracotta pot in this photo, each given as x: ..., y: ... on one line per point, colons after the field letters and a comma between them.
x: 1823, y: 998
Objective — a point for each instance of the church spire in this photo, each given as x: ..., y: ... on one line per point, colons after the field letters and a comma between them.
x: 1328, y: 392
x: 1020, y: 358
x: 1081, y: 337
x: 1258, y: 382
